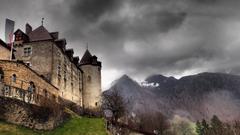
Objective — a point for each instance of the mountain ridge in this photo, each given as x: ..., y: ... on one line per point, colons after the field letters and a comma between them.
x: 194, y: 97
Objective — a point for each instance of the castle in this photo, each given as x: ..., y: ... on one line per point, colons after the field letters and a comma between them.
x: 40, y: 61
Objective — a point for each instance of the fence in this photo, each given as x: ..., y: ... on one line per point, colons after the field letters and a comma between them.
x: 26, y: 92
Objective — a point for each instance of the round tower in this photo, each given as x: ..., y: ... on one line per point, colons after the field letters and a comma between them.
x: 91, y: 80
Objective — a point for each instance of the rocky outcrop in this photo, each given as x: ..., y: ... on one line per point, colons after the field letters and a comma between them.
x: 28, y: 115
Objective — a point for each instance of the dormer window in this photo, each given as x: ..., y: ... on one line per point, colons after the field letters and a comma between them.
x: 18, y: 37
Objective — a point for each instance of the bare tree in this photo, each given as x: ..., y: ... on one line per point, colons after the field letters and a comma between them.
x: 114, y: 102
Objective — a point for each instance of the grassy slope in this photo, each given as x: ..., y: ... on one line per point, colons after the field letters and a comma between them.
x: 75, y: 126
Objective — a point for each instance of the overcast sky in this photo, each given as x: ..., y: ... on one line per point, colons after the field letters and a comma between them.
x: 141, y: 37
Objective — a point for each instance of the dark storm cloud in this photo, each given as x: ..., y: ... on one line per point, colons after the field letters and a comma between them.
x: 92, y: 10
x: 152, y: 24
x: 167, y: 20
x: 142, y: 37
x: 207, y: 1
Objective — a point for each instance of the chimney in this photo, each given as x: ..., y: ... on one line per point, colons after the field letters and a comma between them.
x: 9, y: 29
x: 28, y: 28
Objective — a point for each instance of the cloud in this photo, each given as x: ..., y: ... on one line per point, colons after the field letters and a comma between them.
x: 92, y: 10
x: 142, y: 37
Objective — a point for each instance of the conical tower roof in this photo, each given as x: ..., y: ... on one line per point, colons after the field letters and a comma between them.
x: 87, y: 58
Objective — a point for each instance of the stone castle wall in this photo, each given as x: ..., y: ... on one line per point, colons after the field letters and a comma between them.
x: 40, y: 59
x: 92, y: 86
x: 4, y: 53
x: 29, y: 115
x: 49, y: 60
x: 24, y: 75
x: 67, y: 77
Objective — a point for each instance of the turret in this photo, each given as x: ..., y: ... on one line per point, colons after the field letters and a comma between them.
x: 92, y: 80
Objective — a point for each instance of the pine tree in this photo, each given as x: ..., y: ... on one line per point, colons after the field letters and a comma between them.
x: 199, y: 128
x: 217, y: 126
x: 205, y: 127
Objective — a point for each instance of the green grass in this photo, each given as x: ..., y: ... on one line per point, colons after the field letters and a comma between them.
x: 76, y: 125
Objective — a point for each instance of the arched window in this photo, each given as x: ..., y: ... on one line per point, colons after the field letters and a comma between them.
x: 54, y: 98
x: 89, y: 78
x: 1, y: 75
x: 14, y: 78
x: 45, y: 93
x: 31, y: 87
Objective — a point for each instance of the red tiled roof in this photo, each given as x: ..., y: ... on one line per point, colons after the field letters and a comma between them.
x: 39, y: 34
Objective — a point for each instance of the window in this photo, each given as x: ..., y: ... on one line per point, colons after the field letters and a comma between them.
x: 59, y: 72
x: 45, y: 93
x: 18, y: 37
x: 7, y: 90
x: 14, y: 78
x: 54, y: 97
x: 58, y: 53
x: 65, y: 83
x: 89, y: 78
x: 27, y: 51
x: 59, y: 80
x: 72, y: 86
x: 31, y: 87
x: 1, y: 75
x: 59, y: 69
x: 64, y: 73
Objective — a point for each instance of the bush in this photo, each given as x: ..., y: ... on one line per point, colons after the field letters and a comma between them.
x: 92, y: 113
x: 182, y: 126
x: 217, y: 127
x: 70, y: 105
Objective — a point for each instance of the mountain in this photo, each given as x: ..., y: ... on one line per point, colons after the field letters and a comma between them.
x: 136, y: 97
x: 194, y: 97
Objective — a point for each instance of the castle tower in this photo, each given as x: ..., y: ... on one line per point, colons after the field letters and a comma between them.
x: 91, y: 80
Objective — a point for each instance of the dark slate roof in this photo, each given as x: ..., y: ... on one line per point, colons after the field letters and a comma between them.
x: 76, y: 60
x: 54, y: 35
x: 40, y: 34
x: 2, y: 43
x: 69, y: 52
x: 87, y: 58
x: 18, y: 30
x: 61, y: 43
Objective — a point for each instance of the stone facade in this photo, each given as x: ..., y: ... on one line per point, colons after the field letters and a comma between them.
x: 92, y: 89
x: 19, y: 75
x: 46, y: 54
x: 49, y: 60
x: 40, y: 58
x: 4, y: 51
x: 29, y: 115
